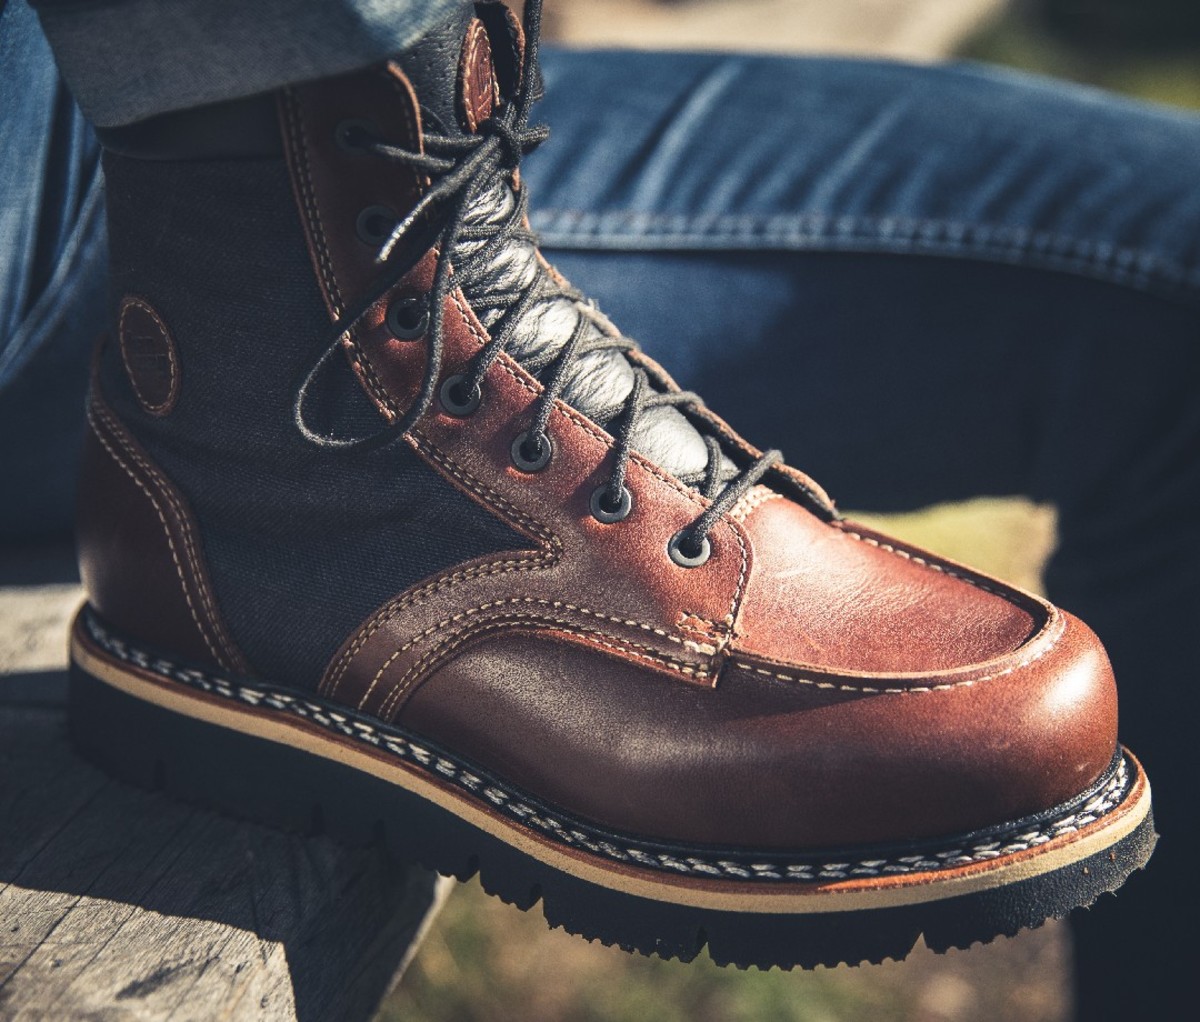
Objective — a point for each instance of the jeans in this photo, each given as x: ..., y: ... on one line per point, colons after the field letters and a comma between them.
x: 922, y: 283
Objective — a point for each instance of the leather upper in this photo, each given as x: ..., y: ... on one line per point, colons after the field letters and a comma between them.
x: 813, y: 684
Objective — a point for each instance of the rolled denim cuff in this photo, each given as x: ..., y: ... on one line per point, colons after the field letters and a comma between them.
x: 125, y: 60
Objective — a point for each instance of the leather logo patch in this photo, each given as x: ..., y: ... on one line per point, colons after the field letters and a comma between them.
x: 149, y: 354
x: 478, y: 93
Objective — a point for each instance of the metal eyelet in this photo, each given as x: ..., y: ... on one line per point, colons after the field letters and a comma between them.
x: 375, y: 225
x: 452, y: 398
x: 408, y: 317
x: 601, y: 510
x: 681, y: 557
x: 539, y: 460
x: 343, y: 134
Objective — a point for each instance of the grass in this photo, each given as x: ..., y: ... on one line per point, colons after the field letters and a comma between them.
x: 1014, y: 41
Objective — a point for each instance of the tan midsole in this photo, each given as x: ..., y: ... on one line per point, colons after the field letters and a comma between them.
x: 835, y: 896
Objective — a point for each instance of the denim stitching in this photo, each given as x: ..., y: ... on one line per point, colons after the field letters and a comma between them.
x: 567, y: 228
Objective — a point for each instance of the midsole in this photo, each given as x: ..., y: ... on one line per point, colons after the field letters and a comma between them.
x: 854, y: 893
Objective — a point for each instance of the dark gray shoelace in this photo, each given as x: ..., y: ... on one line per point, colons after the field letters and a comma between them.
x: 552, y: 330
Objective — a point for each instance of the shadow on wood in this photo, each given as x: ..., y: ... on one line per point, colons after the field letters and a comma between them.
x: 117, y: 903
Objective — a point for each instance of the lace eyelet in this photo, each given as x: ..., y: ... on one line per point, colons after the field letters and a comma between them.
x: 603, y: 513
x: 343, y: 134
x: 374, y: 225
x: 452, y: 399
x: 521, y: 458
x: 408, y: 318
x: 680, y: 556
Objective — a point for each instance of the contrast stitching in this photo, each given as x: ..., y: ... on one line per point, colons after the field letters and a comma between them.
x: 916, y: 689
x: 508, y: 801
x: 925, y: 563
x: 752, y: 501
x: 131, y: 301
x: 182, y: 520
x: 97, y: 432
x: 563, y: 228
x: 736, y: 529
x: 420, y: 670
x: 544, y: 557
x: 528, y: 601
x: 375, y: 386
x: 469, y: 75
x: 299, y: 138
x: 562, y: 408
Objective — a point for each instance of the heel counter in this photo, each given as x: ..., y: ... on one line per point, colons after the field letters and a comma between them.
x: 139, y: 551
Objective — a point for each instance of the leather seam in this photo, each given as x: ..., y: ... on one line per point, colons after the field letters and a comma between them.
x: 466, y: 76
x: 182, y: 519
x: 931, y: 565
x: 93, y: 414
x: 562, y: 408
x: 536, y: 559
x: 299, y: 138
x: 532, y: 601
x: 752, y: 502
x: 420, y: 670
x: 864, y: 689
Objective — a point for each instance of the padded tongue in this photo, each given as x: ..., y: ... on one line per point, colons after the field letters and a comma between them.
x: 454, y: 75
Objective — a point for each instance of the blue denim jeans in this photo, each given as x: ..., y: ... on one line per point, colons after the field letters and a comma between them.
x: 923, y: 283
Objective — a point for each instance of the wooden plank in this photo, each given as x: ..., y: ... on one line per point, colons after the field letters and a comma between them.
x: 119, y: 904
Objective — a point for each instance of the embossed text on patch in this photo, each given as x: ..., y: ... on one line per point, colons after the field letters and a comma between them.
x: 149, y: 354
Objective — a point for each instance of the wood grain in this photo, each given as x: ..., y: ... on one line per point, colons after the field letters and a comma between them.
x: 118, y: 904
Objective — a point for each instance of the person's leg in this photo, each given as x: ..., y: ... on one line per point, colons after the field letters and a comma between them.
x: 52, y: 280
x: 131, y: 60
x: 929, y: 284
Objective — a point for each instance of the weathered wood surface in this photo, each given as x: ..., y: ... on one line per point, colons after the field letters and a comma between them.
x: 118, y: 904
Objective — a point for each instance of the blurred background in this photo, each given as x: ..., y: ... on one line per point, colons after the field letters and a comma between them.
x: 486, y: 962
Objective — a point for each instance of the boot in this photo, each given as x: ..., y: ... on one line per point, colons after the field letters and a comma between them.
x: 387, y: 530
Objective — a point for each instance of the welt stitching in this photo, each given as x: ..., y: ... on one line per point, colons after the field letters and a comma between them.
x: 130, y: 301
x: 800, y: 679
x: 1098, y: 802
x: 167, y: 532
x: 461, y: 638
x: 181, y: 519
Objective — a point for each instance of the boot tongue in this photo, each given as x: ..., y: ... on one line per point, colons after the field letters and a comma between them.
x: 453, y: 74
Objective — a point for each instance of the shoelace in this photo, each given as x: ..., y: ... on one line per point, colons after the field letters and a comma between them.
x: 463, y: 168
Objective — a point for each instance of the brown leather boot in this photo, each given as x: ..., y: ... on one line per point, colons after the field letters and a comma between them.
x: 385, y: 527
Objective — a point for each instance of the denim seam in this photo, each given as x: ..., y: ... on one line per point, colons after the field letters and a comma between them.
x: 567, y: 228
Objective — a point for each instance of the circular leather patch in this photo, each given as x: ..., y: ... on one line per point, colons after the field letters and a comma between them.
x: 149, y: 354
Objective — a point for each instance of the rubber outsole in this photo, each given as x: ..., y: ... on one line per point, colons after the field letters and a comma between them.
x: 242, y: 761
